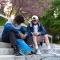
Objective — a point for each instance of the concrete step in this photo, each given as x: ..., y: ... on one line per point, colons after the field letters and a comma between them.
x: 6, y: 51
x: 1, y: 30
x: 5, y: 45
x: 11, y: 57
x: 10, y: 51
x: 29, y: 57
x: 7, y: 57
x: 57, y: 50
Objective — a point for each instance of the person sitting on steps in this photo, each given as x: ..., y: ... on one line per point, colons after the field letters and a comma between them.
x: 15, y: 34
x: 36, y: 29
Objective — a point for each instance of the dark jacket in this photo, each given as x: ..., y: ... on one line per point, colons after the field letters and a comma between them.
x: 40, y: 28
x: 8, y: 27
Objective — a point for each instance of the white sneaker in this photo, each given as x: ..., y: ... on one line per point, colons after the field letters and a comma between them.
x: 48, y: 47
x: 38, y: 51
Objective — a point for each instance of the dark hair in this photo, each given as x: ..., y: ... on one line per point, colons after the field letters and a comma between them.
x: 19, y: 19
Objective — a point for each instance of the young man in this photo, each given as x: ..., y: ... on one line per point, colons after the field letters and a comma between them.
x: 15, y: 34
x: 36, y: 29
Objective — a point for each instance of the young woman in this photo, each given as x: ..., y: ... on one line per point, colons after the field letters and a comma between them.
x: 15, y: 34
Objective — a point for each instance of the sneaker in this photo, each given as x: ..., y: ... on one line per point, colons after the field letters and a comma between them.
x: 49, y: 47
x: 16, y: 51
x: 38, y: 51
x: 33, y: 52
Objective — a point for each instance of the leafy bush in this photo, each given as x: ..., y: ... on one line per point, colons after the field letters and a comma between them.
x: 51, y: 20
x: 2, y: 20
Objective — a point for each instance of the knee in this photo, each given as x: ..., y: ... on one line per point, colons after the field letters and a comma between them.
x: 46, y: 35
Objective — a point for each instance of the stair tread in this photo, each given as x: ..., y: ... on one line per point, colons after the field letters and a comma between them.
x: 5, y: 45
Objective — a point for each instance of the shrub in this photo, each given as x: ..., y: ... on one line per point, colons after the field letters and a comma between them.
x: 2, y: 20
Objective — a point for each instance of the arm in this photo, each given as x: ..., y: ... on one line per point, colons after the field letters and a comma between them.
x: 9, y: 27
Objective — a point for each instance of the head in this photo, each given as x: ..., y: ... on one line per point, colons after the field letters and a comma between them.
x: 19, y: 19
x: 35, y: 19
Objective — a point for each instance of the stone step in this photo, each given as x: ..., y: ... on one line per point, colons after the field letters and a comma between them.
x: 6, y: 57
x: 6, y: 51
x: 1, y: 30
x: 5, y: 45
x: 57, y: 50
x: 10, y: 51
x: 8, y: 45
x: 11, y: 57
x: 29, y: 57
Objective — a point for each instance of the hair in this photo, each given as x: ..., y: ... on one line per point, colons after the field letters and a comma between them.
x: 19, y: 19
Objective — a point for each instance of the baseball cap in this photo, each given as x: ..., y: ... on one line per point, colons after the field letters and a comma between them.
x: 34, y: 17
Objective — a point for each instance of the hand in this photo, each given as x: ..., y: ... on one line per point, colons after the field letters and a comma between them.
x: 22, y: 35
x: 36, y: 33
x: 39, y: 33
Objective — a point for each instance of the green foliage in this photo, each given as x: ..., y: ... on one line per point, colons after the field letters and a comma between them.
x: 2, y: 20
x: 51, y: 23
x: 51, y: 19
x: 56, y: 3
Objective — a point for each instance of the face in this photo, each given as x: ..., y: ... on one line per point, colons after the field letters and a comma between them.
x: 35, y: 21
